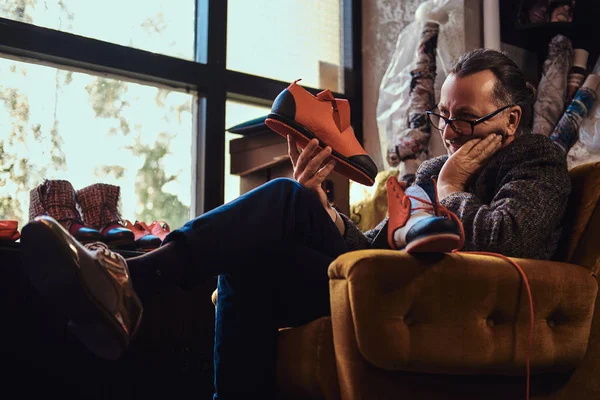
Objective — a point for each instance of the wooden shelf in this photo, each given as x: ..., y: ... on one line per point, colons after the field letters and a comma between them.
x: 582, y: 31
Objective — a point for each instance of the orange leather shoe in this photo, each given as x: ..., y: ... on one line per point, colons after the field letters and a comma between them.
x: 418, y: 223
x: 398, y: 208
x: 297, y: 112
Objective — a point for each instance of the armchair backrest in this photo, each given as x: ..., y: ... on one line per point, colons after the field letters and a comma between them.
x: 580, y: 242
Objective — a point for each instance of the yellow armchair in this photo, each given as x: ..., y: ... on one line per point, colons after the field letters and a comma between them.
x: 456, y: 326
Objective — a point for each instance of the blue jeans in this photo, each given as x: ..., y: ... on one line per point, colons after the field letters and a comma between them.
x: 271, y: 249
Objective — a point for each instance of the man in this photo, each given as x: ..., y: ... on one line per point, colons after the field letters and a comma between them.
x: 271, y: 247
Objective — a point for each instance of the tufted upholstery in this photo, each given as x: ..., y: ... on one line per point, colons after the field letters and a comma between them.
x: 306, y: 362
x: 461, y: 313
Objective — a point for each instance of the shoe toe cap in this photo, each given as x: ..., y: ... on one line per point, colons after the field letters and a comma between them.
x: 430, y: 226
x: 148, y: 242
x: 119, y: 234
x: 366, y: 163
x: 88, y: 235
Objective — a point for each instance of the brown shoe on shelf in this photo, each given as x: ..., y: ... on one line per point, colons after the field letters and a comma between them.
x: 100, y: 209
x: 58, y: 199
x: 89, y: 284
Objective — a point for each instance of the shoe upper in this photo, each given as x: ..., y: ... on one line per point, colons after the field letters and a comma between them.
x: 99, y: 205
x: 105, y: 275
x: 56, y: 198
x: 160, y: 229
x: 297, y: 112
x: 143, y: 236
x: 324, y: 115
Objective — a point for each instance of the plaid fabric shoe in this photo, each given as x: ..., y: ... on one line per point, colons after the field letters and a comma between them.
x: 100, y: 209
x: 58, y: 199
x: 298, y: 113
x: 417, y: 222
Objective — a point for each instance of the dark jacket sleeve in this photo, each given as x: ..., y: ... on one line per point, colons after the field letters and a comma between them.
x: 524, y: 217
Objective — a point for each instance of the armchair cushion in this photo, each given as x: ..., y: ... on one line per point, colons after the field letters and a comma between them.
x: 581, y: 231
x: 306, y: 362
x: 459, y: 313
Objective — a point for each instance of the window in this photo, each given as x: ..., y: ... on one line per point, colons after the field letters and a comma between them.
x: 159, y: 26
x: 59, y: 124
x: 90, y: 91
x: 287, y: 40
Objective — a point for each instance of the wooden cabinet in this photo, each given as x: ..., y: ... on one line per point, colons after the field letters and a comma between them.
x: 260, y: 157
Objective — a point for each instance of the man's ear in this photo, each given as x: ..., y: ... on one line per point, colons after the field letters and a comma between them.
x: 514, y: 117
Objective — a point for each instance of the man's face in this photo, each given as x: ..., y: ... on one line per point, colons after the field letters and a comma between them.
x: 470, y: 98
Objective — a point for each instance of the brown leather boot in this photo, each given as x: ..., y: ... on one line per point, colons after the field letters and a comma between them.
x: 100, y: 209
x: 89, y: 284
x: 57, y: 199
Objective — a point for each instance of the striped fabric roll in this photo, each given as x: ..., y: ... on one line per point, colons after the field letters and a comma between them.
x: 574, y: 81
x: 565, y: 133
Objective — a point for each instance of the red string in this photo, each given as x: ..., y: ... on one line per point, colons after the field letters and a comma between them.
x: 443, y: 210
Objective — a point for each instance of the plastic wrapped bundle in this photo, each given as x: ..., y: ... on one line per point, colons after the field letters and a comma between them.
x: 414, y: 140
x: 397, y: 97
x: 589, y: 132
x: 552, y: 89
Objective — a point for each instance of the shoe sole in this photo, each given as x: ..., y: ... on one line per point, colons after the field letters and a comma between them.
x: 284, y: 126
x: 442, y: 243
x: 62, y: 283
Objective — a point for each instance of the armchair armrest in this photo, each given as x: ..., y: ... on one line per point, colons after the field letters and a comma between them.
x: 458, y: 313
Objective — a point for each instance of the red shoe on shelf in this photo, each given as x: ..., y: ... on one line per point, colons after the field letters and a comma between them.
x: 143, y: 238
x: 157, y: 228
x: 298, y: 113
x: 9, y: 230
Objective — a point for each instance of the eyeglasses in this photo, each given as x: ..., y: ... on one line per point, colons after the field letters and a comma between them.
x: 461, y: 126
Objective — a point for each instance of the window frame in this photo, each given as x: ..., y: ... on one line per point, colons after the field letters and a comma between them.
x: 207, y: 76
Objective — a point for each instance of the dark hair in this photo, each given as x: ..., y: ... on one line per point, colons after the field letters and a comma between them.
x: 511, y: 86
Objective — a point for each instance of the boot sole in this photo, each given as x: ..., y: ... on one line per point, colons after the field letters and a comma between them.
x: 284, y: 126
x: 54, y: 273
x: 442, y: 243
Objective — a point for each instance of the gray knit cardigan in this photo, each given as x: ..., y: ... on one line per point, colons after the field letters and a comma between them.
x: 513, y: 206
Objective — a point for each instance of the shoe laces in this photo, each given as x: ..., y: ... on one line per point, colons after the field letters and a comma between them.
x: 438, y: 210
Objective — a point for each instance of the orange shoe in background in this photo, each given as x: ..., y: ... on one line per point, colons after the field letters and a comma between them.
x: 159, y: 228
x: 298, y: 113
x: 143, y: 238
x: 9, y: 230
